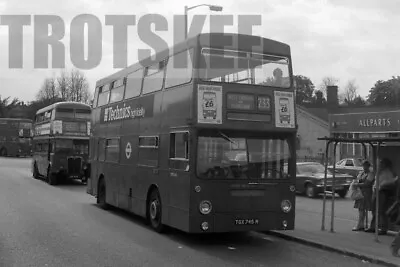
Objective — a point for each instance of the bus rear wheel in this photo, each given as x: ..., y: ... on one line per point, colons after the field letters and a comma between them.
x: 101, y: 195
x: 155, y: 211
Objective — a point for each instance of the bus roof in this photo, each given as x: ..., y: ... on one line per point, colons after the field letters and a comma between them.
x: 65, y: 104
x: 16, y: 119
x: 215, y: 40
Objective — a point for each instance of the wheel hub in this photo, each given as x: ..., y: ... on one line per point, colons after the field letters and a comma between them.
x: 154, y: 209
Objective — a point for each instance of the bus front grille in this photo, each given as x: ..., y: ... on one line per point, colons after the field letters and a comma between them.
x: 74, y: 166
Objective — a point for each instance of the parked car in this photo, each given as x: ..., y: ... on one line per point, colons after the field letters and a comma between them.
x: 310, y: 180
x: 351, y: 166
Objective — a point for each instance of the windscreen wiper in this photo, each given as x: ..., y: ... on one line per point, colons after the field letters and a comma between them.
x: 227, y: 138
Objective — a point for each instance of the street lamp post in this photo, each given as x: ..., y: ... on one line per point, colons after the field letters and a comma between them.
x: 212, y: 8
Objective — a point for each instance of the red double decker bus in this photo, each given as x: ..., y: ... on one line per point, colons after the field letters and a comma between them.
x: 205, y: 148
x: 61, y: 142
x: 15, y: 137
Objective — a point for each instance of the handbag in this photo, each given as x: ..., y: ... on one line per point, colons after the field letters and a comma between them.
x: 356, y: 193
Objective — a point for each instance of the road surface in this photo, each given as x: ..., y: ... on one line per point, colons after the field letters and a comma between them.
x: 42, y: 225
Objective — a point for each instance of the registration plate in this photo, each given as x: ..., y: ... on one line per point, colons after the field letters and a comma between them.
x: 246, y: 222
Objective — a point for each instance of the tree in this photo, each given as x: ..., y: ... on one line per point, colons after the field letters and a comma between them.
x: 385, y: 93
x: 48, y: 90
x: 72, y: 86
x: 63, y: 85
x: 6, y: 106
x: 328, y: 81
x: 78, y: 87
x: 319, y: 99
x: 304, y: 89
x: 350, y: 91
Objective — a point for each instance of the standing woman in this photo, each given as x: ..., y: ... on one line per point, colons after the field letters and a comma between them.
x: 365, y: 180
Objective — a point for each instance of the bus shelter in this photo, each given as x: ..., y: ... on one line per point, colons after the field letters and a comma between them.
x: 378, y: 130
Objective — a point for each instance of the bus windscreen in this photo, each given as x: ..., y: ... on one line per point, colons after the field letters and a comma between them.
x: 244, y: 67
x: 222, y: 157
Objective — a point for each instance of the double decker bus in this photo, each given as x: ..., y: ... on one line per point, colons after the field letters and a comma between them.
x: 199, y: 147
x: 15, y: 137
x: 61, y: 142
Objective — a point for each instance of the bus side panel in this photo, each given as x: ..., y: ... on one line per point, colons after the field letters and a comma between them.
x: 148, y: 158
x: 112, y: 169
x: 176, y: 112
x: 129, y: 156
x: 128, y: 188
x: 97, y: 131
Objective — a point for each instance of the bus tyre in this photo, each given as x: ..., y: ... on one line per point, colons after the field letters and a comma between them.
x: 51, y: 178
x: 35, y: 172
x: 310, y: 191
x: 101, y: 195
x: 155, y: 211
x: 3, y: 152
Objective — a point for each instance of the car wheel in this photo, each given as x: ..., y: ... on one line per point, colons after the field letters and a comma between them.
x: 310, y: 191
x: 3, y: 152
x: 342, y: 193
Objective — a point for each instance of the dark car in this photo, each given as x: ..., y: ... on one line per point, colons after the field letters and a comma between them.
x: 310, y: 180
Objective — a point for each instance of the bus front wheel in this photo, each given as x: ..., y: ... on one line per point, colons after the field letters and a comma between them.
x: 51, y: 177
x: 35, y: 171
x: 101, y: 194
x: 155, y: 211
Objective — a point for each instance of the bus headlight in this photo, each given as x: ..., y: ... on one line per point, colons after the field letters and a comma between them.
x: 286, y: 206
x: 205, y: 207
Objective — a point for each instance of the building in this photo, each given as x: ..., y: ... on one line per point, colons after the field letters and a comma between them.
x: 344, y: 150
x: 310, y: 128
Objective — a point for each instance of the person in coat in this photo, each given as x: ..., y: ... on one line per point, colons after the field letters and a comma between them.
x: 365, y: 180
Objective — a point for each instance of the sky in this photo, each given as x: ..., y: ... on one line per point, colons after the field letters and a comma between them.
x: 350, y: 40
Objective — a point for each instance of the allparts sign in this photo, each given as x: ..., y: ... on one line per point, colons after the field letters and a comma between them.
x: 367, y: 122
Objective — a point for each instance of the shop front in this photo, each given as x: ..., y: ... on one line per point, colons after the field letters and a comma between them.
x: 378, y: 132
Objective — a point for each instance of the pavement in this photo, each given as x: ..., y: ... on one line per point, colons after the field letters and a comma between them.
x: 43, y: 225
x: 342, y: 240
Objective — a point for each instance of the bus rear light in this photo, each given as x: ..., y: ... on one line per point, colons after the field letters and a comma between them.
x: 197, y: 188
x: 204, y: 226
x: 205, y: 207
x: 284, y: 223
x: 286, y: 206
x: 292, y: 188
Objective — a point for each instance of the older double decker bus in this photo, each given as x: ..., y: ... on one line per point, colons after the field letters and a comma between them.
x: 15, y: 137
x: 61, y: 142
x: 201, y: 147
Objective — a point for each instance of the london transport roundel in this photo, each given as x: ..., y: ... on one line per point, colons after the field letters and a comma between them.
x: 128, y: 150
